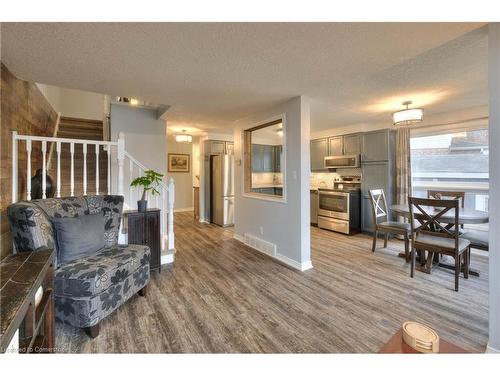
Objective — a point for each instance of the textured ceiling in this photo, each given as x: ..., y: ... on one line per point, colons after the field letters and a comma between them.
x: 215, y: 73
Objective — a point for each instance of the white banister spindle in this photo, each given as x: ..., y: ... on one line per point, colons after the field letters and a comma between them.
x: 108, y: 152
x: 28, y: 169
x: 96, y: 169
x: 84, y: 169
x: 72, y: 172
x: 171, y: 201
x: 14, y: 168
x: 121, y: 158
x: 58, y: 150
x: 44, y: 169
x: 163, y: 216
x: 131, y: 177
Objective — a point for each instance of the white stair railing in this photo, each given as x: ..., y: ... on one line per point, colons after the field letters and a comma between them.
x: 164, y: 200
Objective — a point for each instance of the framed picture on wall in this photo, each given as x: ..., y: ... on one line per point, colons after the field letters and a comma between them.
x: 178, y: 162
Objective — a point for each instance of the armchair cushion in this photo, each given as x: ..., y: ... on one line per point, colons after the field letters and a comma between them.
x: 96, y: 273
x: 111, y: 207
x: 89, y: 289
x: 79, y: 236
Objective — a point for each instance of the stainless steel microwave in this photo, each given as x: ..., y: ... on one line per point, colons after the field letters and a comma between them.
x: 345, y: 161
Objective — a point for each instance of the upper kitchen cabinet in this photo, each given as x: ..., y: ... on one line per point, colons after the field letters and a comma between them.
x: 278, y: 150
x: 213, y: 147
x: 376, y: 146
x: 257, y: 158
x: 217, y: 147
x: 229, y: 148
x: 268, y: 162
x: 336, y: 146
x: 352, y: 144
x: 319, y: 150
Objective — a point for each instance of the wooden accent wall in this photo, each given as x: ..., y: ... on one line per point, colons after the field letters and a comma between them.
x: 25, y: 109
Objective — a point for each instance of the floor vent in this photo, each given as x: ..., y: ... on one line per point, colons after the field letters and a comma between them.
x: 260, y: 245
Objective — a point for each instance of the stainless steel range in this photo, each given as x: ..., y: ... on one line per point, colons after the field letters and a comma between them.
x: 340, y: 207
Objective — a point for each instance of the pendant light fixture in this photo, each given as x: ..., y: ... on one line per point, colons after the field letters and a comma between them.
x: 407, y: 116
x: 183, y: 138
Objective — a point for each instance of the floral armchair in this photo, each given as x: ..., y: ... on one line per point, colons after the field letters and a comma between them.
x: 88, y: 289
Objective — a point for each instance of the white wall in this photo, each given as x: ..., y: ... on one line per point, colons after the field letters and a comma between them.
x: 74, y: 103
x: 494, y: 140
x: 183, y: 181
x: 285, y: 224
x: 145, y: 138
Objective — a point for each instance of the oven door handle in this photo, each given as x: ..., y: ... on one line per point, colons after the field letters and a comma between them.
x: 333, y: 193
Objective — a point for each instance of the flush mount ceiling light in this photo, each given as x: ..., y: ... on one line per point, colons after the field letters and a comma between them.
x: 407, y: 116
x: 183, y: 138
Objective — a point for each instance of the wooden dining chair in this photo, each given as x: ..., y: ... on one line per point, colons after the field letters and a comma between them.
x: 433, y: 237
x: 381, y: 221
x: 479, y: 239
x: 442, y: 194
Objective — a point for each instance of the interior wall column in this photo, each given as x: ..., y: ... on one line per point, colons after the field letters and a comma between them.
x: 494, y: 165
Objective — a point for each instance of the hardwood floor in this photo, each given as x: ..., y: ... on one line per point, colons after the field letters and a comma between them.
x: 220, y: 296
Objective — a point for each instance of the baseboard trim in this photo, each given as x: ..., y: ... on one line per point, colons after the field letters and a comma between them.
x: 188, y: 209
x: 491, y: 350
x: 167, y: 258
x: 304, y: 266
x: 203, y: 221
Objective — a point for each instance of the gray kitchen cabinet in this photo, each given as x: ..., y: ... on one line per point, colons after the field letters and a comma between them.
x: 376, y: 146
x: 314, y: 207
x: 367, y: 224
x: 277, y: 150
x: 268, y: 158
x: 374, y: 176
x: 263, y: 158
x: 217, y: 147
x: 352, y: 144
x: 336, y: 146
x: 229, y: 148
x: 257, y: 158
x: 319, y: 150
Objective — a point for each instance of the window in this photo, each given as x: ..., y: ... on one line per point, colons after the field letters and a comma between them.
x: 264, y: 159
x: 456, y: 161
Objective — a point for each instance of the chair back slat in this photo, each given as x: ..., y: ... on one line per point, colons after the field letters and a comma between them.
x: 440, y: 194
x: 429, y: 218
x: 379, y: 205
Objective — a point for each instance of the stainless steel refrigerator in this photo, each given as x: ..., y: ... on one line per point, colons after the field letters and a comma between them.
x: 222, y: 189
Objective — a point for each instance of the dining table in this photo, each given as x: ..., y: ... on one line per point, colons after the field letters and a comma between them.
x: 465, y: 216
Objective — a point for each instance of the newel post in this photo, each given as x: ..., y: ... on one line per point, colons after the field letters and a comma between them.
x: 171, y: 200
x: 14, y: 168
x: 121, y: 161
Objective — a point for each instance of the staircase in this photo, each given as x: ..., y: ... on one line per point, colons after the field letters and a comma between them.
x: 74, y: 137
x: 75, y: 128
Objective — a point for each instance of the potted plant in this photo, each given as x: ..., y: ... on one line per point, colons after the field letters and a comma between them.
x: 149, y: 182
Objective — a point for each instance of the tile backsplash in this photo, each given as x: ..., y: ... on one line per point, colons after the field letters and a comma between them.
x: 325, y: 180
x: 266, y: 178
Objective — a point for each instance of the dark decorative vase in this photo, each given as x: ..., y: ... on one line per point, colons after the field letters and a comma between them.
x: 36, y: 185
x: 142, y: 205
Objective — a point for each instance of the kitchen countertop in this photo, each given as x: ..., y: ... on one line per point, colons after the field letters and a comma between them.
x: 263, y: 186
